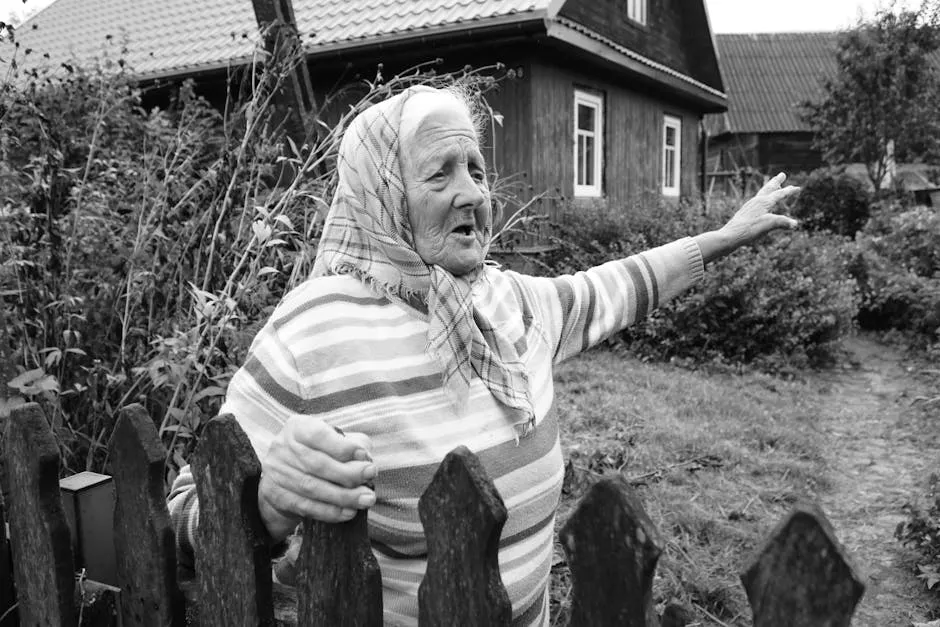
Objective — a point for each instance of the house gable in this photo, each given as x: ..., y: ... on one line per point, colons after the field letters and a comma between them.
x: 676, y: 34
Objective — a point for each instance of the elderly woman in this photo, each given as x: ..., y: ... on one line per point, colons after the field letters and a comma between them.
x: 411, y: 343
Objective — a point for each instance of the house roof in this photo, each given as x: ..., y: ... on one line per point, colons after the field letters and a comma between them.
x: 767, y: 76
x: 171, y: 38
x: 175, y: 37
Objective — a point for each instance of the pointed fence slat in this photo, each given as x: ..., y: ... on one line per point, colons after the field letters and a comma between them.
x: 7, y: 592
x: 40, y: 538
x: 233, y: 562
x: 339, y: 581
x: 463, y: 516
x: 802, y: 576
x: 612, y: 548
x: 144, y: 541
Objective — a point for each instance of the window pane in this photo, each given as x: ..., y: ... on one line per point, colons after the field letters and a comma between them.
x: 585, y: 117
x: 670, y: 136
x: 589, y: 161
x: 670, y: 169
x: 579, y: 161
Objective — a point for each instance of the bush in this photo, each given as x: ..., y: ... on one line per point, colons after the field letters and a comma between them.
x: 897, y: 266
x: 921, y: 532
x: 833, y: 201
x: 785, y: 302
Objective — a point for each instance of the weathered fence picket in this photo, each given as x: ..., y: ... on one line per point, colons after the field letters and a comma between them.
x: 800, y: 578
x: 7, y: 591
x: 41, y: 542
x: 144, y: 542
x: 233, y: 562
x: 463, y: 516
x: 340, y: 582
x: 612, y: 549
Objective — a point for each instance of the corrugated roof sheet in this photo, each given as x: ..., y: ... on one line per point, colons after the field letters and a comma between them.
x: 767, y: 75
x: 168, y: 37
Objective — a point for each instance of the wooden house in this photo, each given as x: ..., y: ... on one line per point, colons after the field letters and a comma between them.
x: 767, y: 76
x: 605, y: 109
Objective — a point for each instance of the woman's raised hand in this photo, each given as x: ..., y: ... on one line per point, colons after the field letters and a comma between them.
x: 313, y: 471
x: 756, y: 217
x: 753, y: 220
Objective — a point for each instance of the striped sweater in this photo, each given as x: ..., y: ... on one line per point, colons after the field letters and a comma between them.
x: 337, y: 349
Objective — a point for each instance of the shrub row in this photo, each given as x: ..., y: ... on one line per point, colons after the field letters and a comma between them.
x: 786, y: 301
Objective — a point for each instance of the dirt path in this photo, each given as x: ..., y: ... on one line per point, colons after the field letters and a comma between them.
x: 880, y: 457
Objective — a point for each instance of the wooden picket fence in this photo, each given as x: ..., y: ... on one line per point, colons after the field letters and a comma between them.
x: 801, y: 576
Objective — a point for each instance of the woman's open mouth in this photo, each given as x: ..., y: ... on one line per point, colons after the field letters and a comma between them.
x: 464, y: 229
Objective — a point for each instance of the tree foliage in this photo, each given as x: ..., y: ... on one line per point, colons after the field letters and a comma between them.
x: 882, y: 102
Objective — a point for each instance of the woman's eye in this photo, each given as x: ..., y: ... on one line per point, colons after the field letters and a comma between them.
x: 478, y: 175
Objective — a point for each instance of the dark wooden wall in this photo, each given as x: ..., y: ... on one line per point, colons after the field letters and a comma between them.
x: 789, y: 152
x: 633, y: 126
x: 675, y: 34
x: 766, y: 152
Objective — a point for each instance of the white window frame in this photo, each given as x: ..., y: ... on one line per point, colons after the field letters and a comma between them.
x: 637, y: 10
x: 671, y: 187
x: 596, y: 102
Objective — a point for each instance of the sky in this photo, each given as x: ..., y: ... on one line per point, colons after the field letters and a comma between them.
x: 727, y: 16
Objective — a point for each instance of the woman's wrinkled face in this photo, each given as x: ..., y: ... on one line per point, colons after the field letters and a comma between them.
x: 446, y: 189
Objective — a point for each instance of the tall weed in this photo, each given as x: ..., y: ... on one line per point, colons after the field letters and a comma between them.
x: 141, y: 250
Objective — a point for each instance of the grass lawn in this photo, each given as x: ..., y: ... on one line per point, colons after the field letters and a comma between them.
x: 717, y: 460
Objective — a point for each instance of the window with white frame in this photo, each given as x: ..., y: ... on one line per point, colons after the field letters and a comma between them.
x: 588, y: 143
x: 636, y: 10
x: 672, y: 151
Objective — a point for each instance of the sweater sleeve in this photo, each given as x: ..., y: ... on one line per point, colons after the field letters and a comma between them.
x: 262, y: 395
x: 578, y: 311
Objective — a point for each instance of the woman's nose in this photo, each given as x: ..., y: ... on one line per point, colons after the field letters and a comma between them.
x: 469, y: 192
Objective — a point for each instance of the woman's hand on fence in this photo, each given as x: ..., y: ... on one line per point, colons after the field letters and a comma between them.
x: 313, y: 471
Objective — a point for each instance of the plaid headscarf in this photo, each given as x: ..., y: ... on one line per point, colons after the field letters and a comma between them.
x: 367, y: 233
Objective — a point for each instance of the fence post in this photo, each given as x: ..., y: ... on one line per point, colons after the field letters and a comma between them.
x: 802, y: 576
x: 463, y: 516
x: 612, y: 548
x: 144, y: 539
x: 41, y: 543
x: 340, y: 582
x: 233, y: 562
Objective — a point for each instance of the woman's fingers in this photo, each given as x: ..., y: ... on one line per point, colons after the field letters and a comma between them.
x: 296, y: 487
x: 772, y: 185
x: 296, y: 505
x: 312, y: 447
x: 316, y: 434
x: 780, y: 194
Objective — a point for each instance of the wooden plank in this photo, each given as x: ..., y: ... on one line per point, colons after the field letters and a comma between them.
x: 144, y: 539
x: 802, y: 576
x: 295, y: 100
x: 463, y: 516
x: 40, y: 539
x: 612, y: 548
x: 233, y: 561
x: 339, y: 582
